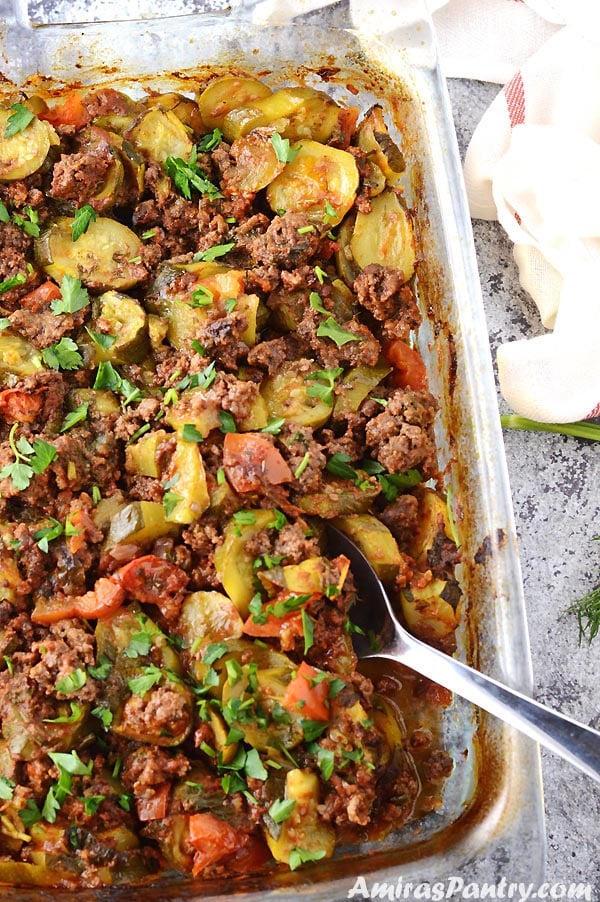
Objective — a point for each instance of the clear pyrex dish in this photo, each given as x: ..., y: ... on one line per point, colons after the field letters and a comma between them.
x: 490, y: 825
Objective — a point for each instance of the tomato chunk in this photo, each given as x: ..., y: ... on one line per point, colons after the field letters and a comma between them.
x: 154, y: 807
x: 51, y: 610
x: 213, y: 840
x: 40, y: 297
x: 305, y: 696
x: 17, y: 406
x: 106, y: 597
x: 152, y: 580
x: 71, y: 112
x: 410, y: 371
x: 251, y: 461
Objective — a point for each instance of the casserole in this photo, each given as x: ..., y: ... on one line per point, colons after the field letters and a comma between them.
x: 492, y: 807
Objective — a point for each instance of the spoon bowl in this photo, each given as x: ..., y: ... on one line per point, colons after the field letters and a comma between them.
x: 383, y: 636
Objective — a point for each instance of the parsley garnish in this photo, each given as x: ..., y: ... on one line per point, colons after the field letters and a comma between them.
x: 102, y: 339
x: 323, y: 391
x: 170, y: 501
x: 18, y: 120
x: 73, y: 717
x: 102, y: 669
x: 320, y: 274
x: 108, y: 377
x: 273, y: 427
x: 210, y: 141
x: 139, y: 644
x: 226, y: 422
x: 302, y: 465
x: 64, y: 355
x: 308, y: 629
x: 47, y: 534
x: 7, y: 787
x: 150, y: 677
x: 244, y: 518
x: 29, y: 459
x: 83, y: 216
x: 75, y: 416
x: 329, y: 328
x: 72, y: 682
x: 201, y: 297
x: 73, y: 296
x: 4, y: 214
x: 31, y: 814
x: 12, y: 282
x: 213, y: 652
x: 285, y: 153
x: 31, y: 224
x: 91, y: 804
x: 316, y: 302
x: 188, y: 175
x: 211, y: 253
x: 339, y: 466
x: 302, y: 856
x: 312, y: 729
x: 191, y: 434
x: 281, y: 809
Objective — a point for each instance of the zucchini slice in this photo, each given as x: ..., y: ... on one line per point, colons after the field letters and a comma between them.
x: 160, y: 134
x: 24, y: 153
x: 103, y: 257
x: 125, y: 319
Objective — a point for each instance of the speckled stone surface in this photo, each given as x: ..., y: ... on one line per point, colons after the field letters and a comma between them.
x: 555, y: 488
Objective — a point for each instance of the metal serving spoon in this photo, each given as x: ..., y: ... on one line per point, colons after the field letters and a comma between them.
x: 578, y: 744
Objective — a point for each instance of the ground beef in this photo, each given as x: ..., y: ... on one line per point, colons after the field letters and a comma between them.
x: 401, y: 518
x: 296, y: 443
x: 290, y: 241
x: 42, y: 327
x: 294, y: 544
x: 364, y: 350
x: 203, y: 538
x: 437, y: 766
x: 402, y: 436
x: 162, y: 711
x: 78, y: 177
x: 15, y: 254
x: 381, y: 291
x: 65, y: 648
x: 272, y: 355
x: 107, y: 101
x: 151, y: 765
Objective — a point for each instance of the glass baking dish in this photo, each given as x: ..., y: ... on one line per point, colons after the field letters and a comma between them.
x: 490, y: 825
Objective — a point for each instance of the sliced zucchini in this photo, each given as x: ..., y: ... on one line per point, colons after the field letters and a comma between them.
x: 208, y: 615
x: 234, y: 564
x: 375, y: 541
x: 189, y: 484
x: 160, y: 134
x: 340, y: 497
x: 374, y: 139
x: 256, y: 162
x: 355, y: 385
x: 225, y: 94
x: 103, y: 257
x: 427, y: 614
x: 320, y: 181
x: 23, y: 154
x: 123, y: 318
x: 18, y: 356
x: 384, y: 236
x: 140, y: 457
x: 186, y: 109
x: 286, y: 395
x: 303, y: 829
x: 139, y: 523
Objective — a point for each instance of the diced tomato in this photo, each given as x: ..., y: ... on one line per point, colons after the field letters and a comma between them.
x: 18, y: 406
x: 408, y: 364
x: 250, y: 461
x: 273, y: 626
x: 41, y: 296
x: 71, y: 112
x: 106, y: 597
x: 51, y: 610
x: 152, y: 580
x: 155, y: 806
x: 250, y: 858
x: 213, y: 840
x: 306, y: 697
x: 84, y: 529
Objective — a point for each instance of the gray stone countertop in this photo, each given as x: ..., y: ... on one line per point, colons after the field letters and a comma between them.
x: 555, y: 489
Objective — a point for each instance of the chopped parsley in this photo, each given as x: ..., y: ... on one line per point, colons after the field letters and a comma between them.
x: 210, y: 141
x: 188, y: 175
x: 48, y: 533
x: 285, y: 153
x: 329, y: 328
x: 170, y: 501
x: 73, y: 296
x: 64, y: 355
x: 7, y: 788
x: 211, y: 253
x: 191, y: 434
x: 102, y: 339
x: 19, y: 119
x: 316, y: 302
x: 73, y: 717
x: 302, y: 856
x: 75, y: 416
x: 281, y: 809
x: 30, y: 223
x: 323, y: 384
x: 12, y: 282
x: 72, y: 682
x: 201, y: 297
x: 83, y: 216
x: 302, y: 465
x: 274, y: 426
x: 226, y: 422
x: 29, y: 459
x: 151, y: 676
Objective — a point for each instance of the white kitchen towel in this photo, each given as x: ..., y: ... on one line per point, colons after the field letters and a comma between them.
x: 534, y: 164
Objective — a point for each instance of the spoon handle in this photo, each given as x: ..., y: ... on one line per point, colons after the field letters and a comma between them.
x: 578, y: 744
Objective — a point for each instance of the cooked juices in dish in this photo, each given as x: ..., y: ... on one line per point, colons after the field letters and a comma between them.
x: 206, y: 352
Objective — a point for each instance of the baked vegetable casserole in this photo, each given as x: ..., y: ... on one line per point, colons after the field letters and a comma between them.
x: 207, y: 352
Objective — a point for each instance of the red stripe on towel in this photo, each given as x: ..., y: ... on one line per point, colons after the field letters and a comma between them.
x: 514, y: 93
